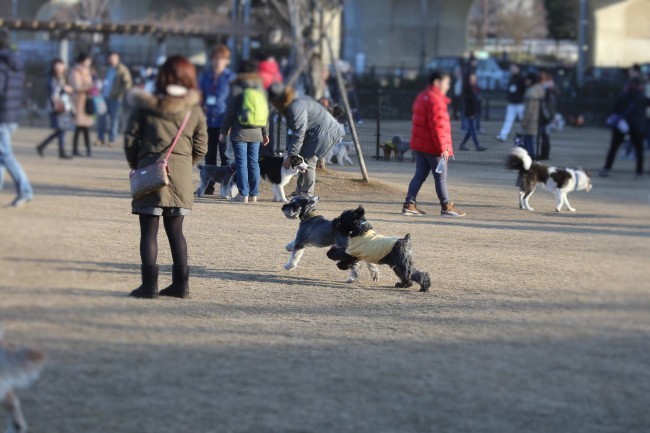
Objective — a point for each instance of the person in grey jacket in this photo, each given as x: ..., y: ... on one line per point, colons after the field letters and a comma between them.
x: 245, y: 139
x: 314, y: 131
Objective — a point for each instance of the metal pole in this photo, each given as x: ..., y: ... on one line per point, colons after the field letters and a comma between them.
x: 246, y: 43
x: 582, y: 42
x: 232, y: 41
x: 64, y: 50
x: 348, y: 112
x: 424, y: 10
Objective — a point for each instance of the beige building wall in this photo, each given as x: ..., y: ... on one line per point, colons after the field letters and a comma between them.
x: 620, y: 32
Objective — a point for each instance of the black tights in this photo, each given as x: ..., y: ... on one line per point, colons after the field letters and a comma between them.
x: 75, y: 141
x: 149, y: 239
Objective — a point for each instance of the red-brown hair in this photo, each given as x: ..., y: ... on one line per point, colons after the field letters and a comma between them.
x: 220, y: 50
x: 176, y: 70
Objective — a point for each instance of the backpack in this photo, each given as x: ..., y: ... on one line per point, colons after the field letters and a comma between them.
x: 254, y: 109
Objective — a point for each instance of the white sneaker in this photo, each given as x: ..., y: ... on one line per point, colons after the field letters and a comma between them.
x: 239, y: 198
x: 20, y: 202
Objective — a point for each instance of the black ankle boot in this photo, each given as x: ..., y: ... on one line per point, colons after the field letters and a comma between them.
x: 149, y: 287
x: 180, y: 287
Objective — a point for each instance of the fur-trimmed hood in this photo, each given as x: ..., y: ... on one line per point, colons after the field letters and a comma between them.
x: 248, y: 79
x: 282, y: 103
x: 163, y: 104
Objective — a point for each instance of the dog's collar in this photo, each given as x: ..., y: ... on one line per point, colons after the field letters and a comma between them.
x: 308, y: 216
x: 577, y: 176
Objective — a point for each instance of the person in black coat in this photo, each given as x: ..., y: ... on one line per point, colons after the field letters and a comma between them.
x: 471, y: 107
x: 12, y: 84
x: 631, y: 107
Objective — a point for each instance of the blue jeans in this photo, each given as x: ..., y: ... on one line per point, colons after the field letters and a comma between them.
x: 472, y: 127
x: 529, y: 145
x: 426, y: 163
x: 109, y: 120
x: 9, y: 161
x: 247, y: 157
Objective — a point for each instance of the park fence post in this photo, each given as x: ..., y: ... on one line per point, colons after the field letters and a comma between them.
x: 379, y: 94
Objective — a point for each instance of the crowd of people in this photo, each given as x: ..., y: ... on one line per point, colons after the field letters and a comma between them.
x: 201, y: 112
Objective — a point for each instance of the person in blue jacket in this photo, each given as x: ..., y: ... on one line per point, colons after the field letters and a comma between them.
x: 215, y: 87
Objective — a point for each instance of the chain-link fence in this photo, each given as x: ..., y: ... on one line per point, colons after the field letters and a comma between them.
x: 384, y: 120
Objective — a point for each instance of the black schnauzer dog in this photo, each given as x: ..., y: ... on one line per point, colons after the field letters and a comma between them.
x: 316, y: 231
x: 366, y: 244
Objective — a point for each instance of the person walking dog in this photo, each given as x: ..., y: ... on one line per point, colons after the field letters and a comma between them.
x: 117, y: 82
x: 314, y: 129
x: 431, y: 143
x: 215, y: 88
x: 12, y: 84
x: 156, y: 120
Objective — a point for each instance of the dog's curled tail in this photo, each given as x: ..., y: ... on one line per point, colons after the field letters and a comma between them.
x: 519, y: 160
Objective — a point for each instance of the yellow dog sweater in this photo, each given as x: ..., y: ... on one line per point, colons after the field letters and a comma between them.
x: 370, y: 246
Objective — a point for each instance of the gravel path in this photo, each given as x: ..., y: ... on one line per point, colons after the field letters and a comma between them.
x: 536, y: 322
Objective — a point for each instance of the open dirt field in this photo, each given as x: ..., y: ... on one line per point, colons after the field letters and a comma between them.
x: 536, y: 322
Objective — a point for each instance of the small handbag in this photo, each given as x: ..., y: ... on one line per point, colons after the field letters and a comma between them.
x: 153, y: 177
x: 89, y: 105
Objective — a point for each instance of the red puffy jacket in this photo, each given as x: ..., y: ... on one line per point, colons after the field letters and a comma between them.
x: 431, y: 131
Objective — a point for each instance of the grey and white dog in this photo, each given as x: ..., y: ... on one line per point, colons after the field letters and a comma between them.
x: 316, y: 231
x: 341, y: 150
x: 223, y: 175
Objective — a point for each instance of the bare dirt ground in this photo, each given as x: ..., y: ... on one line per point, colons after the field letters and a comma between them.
x: 536, y: 322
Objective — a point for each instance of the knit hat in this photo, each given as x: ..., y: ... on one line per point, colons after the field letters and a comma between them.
x: 276, y: 91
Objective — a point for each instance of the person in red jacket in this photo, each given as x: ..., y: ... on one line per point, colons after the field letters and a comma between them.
x: 431, y: 143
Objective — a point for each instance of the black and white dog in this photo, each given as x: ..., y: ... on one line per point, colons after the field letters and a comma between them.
x: 225, y: 176
x: 273, y: 172
x: 365, y: 244
x: 341, y: 150
x: 560, y: 181
x: 316, y: 231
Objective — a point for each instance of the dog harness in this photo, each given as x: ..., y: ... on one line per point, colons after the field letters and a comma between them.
x: 371, y: 246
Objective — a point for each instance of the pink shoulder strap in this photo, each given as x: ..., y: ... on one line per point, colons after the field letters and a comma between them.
x: 178, y: 134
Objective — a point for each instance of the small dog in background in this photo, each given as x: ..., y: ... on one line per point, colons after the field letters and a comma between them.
x: 403, y: 146
x: 560, y: 181
x: 316, y: 231
x: 365, y: 244
x: 341, y: 150
x: 273, y: 172
x: 223, y: 175
x: 19, y: 367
